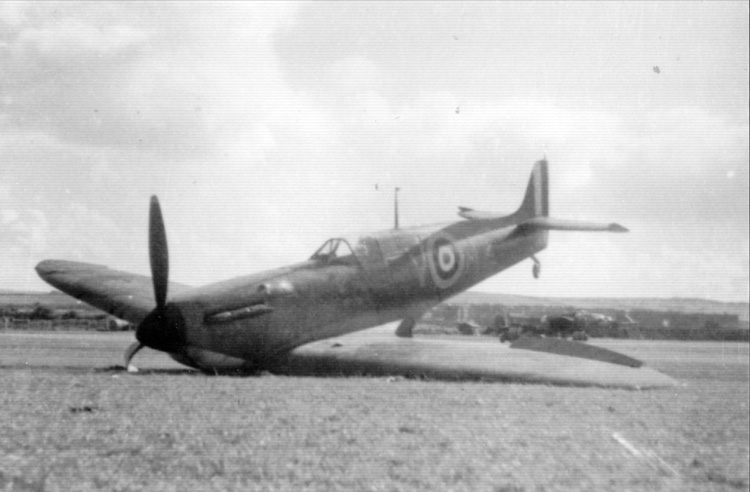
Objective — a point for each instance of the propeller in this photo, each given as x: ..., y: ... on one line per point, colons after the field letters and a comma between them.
x: 159, y: 329
x: 158, y: 253
x: 537, y: 268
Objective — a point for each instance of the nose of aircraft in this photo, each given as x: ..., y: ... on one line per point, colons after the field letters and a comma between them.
x: 163, y: 329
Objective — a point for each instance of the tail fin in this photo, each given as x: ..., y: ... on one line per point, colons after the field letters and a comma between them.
x: 536, y: 201
x: 534, y: 210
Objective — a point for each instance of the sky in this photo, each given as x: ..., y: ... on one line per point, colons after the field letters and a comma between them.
x: 266, y: 128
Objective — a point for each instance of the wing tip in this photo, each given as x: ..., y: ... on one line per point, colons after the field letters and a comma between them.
x: 45, y: 268
x: 49, y: 267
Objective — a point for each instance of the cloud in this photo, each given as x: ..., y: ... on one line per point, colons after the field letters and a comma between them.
x: 683, y: 163
x: 356, y: 74
x: 199, y: 116
x: 73, y: 41
x: 680, y: 165
x: 24, y: 235
x: 264, y: 129
x: 8, y: 216
x: 87, y: 75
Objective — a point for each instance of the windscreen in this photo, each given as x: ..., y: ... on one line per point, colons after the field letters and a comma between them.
x: 361, y: 250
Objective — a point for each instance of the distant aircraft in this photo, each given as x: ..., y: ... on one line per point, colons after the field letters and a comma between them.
x: 302, y: 319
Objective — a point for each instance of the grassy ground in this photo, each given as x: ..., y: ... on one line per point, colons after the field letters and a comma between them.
x: 67, y: 422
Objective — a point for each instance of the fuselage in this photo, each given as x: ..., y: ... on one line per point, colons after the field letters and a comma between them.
x: 344, y: 287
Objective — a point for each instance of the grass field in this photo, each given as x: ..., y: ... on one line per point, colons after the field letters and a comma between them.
x: 69, y: 421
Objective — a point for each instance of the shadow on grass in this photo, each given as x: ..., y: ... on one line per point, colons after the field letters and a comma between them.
x: 170, y: 371
x: 99, y: 370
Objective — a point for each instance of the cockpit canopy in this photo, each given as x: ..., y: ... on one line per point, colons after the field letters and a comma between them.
x: 369, y: 251
x: 336, y: 251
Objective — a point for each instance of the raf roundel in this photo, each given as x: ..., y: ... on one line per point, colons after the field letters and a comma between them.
x: 446, y: 261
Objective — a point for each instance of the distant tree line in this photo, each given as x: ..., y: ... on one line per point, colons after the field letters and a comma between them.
x: 607, y: 323
x: 709, y: 331
x: 44, y: 318
x: 41, y: 312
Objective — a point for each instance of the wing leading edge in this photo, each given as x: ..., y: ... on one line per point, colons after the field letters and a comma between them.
x: 126, y: 295
x: 380, y: 353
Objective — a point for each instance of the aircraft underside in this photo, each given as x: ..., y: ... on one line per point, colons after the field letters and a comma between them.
x: 377, y: 352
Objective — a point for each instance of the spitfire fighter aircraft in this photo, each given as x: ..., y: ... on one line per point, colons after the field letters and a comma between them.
x: 336, y: 312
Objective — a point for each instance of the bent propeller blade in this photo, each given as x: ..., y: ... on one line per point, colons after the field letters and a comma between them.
x: 130, y: 353
x: 158, y: 253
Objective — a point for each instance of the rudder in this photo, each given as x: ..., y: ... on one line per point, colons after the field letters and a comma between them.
x: 536, y: 201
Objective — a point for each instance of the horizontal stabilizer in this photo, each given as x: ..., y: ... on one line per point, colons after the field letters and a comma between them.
x: 550, y: 224
x: 545, y: 223
x: 535, y: 202
x: 534, y: 211
x: 496, y: 220
x: 471, y: 214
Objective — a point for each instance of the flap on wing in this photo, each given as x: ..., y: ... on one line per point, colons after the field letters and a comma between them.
x: 125, y: 295
x: 458, y: 359
x: 551, y: 224
x: 572, y: 348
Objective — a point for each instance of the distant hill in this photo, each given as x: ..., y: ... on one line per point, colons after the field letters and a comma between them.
x: 58, y: 300
x: 676, y: 304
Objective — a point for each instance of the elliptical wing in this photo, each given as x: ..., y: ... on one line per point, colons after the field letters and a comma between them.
x: 126, y: 295
x: 377, y: 352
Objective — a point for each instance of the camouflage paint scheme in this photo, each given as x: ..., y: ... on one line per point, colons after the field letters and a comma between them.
x: 265, y: 320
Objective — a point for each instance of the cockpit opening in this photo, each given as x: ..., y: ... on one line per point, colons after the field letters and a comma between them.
x: 371, y: 252
x: 336, y: 251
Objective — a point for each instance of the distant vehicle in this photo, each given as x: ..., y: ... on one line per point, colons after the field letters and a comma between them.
x: 577, y: 325
x: 561, y: 326
x: 468, y: 329
x: 579, y: 336
x: 295, y: 319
